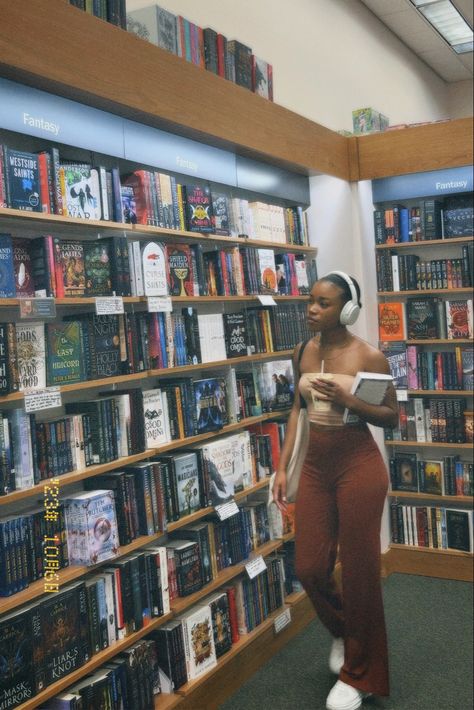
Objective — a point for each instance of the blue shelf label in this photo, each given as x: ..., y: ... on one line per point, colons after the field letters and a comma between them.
x: 429, y: 184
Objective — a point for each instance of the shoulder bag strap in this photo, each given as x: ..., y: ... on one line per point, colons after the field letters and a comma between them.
x: 300, y: 355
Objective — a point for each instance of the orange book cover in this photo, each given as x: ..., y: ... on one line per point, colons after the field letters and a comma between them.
x: 392, y: 321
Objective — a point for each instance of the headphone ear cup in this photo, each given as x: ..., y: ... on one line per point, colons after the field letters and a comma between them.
x: 349, y: 314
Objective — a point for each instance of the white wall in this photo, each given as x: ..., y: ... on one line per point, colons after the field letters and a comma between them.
x: 460, y: 99
x: 328, y: 57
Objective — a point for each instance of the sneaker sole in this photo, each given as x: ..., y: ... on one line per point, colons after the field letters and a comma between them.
x: 351, y: 706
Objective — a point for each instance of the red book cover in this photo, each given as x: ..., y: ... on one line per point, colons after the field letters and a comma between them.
x: 221, y: 51
x: 234, y: 627
x: 459, y: 319
x: 44, y: 182
x: 225, y: 273
x: 180, y: 270
x: 271, y: 429
x: 137, y: 181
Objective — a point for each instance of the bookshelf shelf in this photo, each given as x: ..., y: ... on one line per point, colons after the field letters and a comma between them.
x: 429, y: 444
x: 428, y: 562
x: 74, y: 476
x: 164, y: 372
x: 426, y: 244
x: 69, y: 574
x: 93, y: 228
x: 440, y: 393
x: 99, y: 658
x: 441, y: 341
x: 427, y: 292
x: 433, y: 551
x: 465, y: 500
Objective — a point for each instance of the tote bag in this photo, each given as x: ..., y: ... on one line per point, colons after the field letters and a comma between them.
x: 300, y: 448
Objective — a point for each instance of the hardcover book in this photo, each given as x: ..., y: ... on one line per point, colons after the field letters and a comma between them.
x: 154, y: 265
x: 97, y: 267
x: 459, y: 319
x: 421, y: 319
x: 91, y: 527
x: 129, y: 205
x: 210, y: 404
x: 186, y: 472
x: 154, y: 414
x: 7, y: 270
x: 391, y: 321
x: 81, y: 191
x: 17, y: 677
x: 459, y: 529
x: 69, y: 267
x: 22, y: 175
x: 219, y: 470
x: 104, y: 345
x: 24, y: 284
x: 396, y: 354
x: 65, y: 354
x: 31, y: 354
x: 235, y: 334
x: 198, y: 208
x: 276, y: 384
x: 370, y: 387
x: 220, y: 214
x: 219, y: 606
x: 405, y: 473
x: 155, y: 25
x: 267, y: 271
x: 260, y: 83
x: 433, y: 478
x: 198, y: 641
x: 180, y: 270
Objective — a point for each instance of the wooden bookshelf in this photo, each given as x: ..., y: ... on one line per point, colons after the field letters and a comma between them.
x: 439, y: 393
x: 428, y: 562
x: 411, y: 495
x: 440, y: 341
x: 426, y: 243
x: 100, y: 658
x: 425, y: 292
x: 90, y: 228
x: 69, y: 574
x: 75, y: 476
x: 163, y: 372
x: 429, y: 445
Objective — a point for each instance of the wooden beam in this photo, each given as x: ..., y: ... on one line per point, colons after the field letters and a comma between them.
x: 412, y: 150
x: 53, y: 46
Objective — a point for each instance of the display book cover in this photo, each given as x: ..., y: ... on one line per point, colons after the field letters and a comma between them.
x: 370, y: 387
x: 186, y: 473
x: 235, y: 329
x: 198, y: 641
x: 65, y: 361
x: 220, y: 469
x: 24, y: 283
x: 91, y: 527
x: 180, y: 270
x: 210, y: 402
x: 31, y: 355
x: 7, y: 272
x: 22, y: 174
x: 391, y: 321
x: 198, y: 208
x: 459, y: 528
x: 154, y: 416
x: 81, y: 190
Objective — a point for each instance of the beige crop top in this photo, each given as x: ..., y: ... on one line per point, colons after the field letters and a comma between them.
x: 331, y: 415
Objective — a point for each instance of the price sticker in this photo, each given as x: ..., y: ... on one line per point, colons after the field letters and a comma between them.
x: 267, y: 300
x: 108, y: 305
x: 160, y: 304
x: 255, y: 567
x: 227, y: 510
x: 37, y: 308
x: 402, y: 395
x: 282, y: 620
x: 47, y: 398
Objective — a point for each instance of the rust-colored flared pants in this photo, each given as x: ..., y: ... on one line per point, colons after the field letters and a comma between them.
x: 340, y: 501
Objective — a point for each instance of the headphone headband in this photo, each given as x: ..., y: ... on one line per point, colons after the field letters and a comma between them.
x: 349, y: 282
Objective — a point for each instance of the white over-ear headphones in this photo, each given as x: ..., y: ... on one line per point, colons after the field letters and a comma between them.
x: 351, y: 309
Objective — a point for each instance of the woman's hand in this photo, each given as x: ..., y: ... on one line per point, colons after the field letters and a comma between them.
x: 279, y: 491
x: 332, y: 391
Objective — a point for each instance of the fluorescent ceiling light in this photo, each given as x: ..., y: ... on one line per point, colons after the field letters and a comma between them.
x: 448, y: 22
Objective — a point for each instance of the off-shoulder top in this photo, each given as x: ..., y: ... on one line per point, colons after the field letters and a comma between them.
x: 329, y: 417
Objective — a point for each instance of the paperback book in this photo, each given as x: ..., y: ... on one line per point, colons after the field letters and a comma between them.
x: 210, y: 404
x: 370, y: 387
x: 31, y: 355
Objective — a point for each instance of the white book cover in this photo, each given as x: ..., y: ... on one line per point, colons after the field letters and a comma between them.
x: 154, y: 266
x: 198, y: 641
x: 122, y: 403
x: 109, y: 600
x: 301, y: 274
x: 138, y: 267
x: 267, y: 268
x: 419, y: 419
x: 218, y: 455
x: 22, y: 450
x: 82, y: 191
x: 395, y: 273
x: 153, y: 413
x: 370, y: 387
x: 31, y: 354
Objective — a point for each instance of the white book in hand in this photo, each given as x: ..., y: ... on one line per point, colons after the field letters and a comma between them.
x: 370, y: 387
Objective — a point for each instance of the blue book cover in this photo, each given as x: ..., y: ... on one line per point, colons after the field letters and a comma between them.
x: 210, y: 404
x: 7, y: 272
x: 164, y: 354
x: 404, y: 224
x: 22, y: 171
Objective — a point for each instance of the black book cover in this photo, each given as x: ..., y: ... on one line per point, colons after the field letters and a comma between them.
x: 22, y: 172
x: 235, y: 334
x: 17, y: 646
x: 421, y: 319
x: 210, y: 404
x: 198, y: 208
x: 219, y: 606
x: 191, y: 328
x: 459, y: 529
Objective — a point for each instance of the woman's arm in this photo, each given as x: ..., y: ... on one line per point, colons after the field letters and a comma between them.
x: 383, y: 415
x: 279, y: 484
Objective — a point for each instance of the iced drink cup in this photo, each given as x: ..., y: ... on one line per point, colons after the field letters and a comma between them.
x: 321, y: 404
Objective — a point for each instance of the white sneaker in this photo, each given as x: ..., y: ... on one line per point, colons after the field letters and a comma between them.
x: 345, y: 697
x: 336, y: 656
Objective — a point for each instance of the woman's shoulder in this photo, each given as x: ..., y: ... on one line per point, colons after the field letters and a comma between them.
x: 374, y: 359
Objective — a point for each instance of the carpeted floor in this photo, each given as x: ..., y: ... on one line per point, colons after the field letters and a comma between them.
x: 431, y: 655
